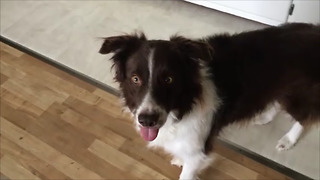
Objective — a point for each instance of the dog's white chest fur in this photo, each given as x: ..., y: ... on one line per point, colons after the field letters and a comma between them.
x: 187, y: 135
x: 185, y: 139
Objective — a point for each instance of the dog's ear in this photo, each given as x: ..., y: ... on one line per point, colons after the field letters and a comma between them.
x: 193, y: 48
x: 121, y: 43
x: 122, y: 47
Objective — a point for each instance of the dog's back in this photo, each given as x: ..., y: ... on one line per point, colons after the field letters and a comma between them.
x: 279, y: 64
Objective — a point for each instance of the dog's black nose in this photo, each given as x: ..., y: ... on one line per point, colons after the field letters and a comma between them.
x: 148, y: 119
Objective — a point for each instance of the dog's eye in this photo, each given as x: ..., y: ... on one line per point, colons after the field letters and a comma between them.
x: 136, y: 80
x: 168, y: 80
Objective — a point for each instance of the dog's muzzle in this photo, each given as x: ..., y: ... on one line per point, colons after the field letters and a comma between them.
x: 148, y: 125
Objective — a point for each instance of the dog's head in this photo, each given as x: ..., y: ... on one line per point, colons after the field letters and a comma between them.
x: 157, y: 78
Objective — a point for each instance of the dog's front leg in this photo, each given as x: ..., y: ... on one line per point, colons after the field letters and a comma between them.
x: 193, y: 165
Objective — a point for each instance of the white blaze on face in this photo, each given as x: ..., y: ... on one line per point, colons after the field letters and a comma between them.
x: 148, y: 105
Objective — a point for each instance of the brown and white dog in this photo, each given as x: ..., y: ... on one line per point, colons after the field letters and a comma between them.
x: 182, y: 92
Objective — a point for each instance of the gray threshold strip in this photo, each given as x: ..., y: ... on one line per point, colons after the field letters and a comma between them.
x: 267, y: 162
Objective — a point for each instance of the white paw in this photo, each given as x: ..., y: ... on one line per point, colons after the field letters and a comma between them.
x: 177, y: 162
x: 284, y: 143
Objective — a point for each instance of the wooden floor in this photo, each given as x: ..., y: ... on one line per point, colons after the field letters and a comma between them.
x: 55, y: 126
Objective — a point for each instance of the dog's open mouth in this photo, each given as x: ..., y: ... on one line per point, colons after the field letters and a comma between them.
x: 149, y: 133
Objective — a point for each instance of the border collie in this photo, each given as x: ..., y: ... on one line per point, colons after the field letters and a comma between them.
x: 181, y: 92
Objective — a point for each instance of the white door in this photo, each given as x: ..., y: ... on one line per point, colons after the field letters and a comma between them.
x: 272, y: 12
x: 305, y: 11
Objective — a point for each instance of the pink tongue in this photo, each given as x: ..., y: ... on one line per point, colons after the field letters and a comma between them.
x: 148, y: 134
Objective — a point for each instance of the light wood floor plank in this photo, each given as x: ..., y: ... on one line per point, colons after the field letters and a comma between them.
x: 20, y: 104
x: 123, y: 161
x: 45, y: 152
x: 10, y: 50
x: 37, y: 94
x: 13, y: 170
x: 3, y: 78
x: 10, y: 71
x: 60, y: 85
x: 111, y: 104
x: 150, y: 158
x: 6, y: 56
x: 124, y: 128
x: 86, y: 125
x: 216, y: 174
x: 18, y: 118
x: 29, y: 161
x: 3, y: 177
x: 70, y: 140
